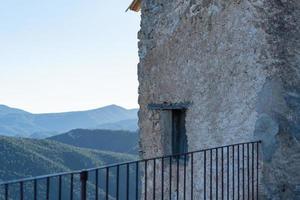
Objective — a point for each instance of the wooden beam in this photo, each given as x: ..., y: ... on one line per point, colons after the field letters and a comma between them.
x: 135, y: 6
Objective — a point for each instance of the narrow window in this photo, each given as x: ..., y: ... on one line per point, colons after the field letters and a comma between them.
x: 179, y: 138
x: 172, y: 126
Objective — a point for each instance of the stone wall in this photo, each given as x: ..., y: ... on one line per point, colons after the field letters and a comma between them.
x: 238, y: 63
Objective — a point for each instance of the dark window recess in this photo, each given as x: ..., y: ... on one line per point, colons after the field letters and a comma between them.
x: 179, y: 138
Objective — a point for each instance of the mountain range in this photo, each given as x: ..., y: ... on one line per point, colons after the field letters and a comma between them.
x: 17, y: 122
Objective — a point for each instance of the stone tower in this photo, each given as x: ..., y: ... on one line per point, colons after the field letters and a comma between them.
x: 233, y: 68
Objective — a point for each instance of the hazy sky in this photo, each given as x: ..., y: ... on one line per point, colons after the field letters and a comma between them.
x: 63, y: 55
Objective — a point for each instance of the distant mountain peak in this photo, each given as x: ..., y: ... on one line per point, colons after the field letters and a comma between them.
x: 112, y: 106
x: 2, y: 106
x: 4, y: 109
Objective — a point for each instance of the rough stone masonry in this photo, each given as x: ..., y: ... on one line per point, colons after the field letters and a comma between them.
x: 238, y: 63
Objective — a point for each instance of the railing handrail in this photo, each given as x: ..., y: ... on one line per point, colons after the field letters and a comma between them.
x: 119, y: 164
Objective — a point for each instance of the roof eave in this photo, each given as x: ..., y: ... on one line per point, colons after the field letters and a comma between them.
x: 135, y: 6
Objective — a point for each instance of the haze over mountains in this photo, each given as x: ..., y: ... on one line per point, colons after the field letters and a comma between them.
x: 17, y: 122
x: 105, y: 140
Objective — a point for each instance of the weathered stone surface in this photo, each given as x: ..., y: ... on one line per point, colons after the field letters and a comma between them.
x: 238, y: 63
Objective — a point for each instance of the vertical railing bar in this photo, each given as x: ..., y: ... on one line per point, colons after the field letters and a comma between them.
x: 71, y: 187
x: 97, y: 184
x: 217, y: 173
x: 83, y: 181
x: 154, y: 178
x: 252, y: 171
x: 233, y: 185
x: 162, y: 178
x: 238, y: 171
x: 127, y: 181
x: 257, y: 168
x: 210, y: 174
x: 228, y: 172
x: 59, y: 187
x: 47, y: 188
x: 21, y: 191
x: 177, y: 174
x: 184, y: 177
x: 137, y: 180
x: 117, y: 182
x: 34, y: 190
x: 248, y: 172
x: 170, y: 178
x: 145, y: 180
x: 107, y: 183
x: 243, y: 152
x: 222, y: 160
x: 204, y: 176
x: 6, y: 191
x: 192, y: 176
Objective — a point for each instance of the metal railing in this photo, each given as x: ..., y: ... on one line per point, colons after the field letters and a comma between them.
x: 226, y: 172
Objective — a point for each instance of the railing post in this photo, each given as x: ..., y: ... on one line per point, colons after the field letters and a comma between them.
x: 83, y: 180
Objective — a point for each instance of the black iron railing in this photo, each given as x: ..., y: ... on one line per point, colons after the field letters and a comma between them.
x: 226, y: 172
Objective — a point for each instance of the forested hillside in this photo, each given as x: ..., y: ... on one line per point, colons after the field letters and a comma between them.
x: 21, y: 158
x: 108, y: 140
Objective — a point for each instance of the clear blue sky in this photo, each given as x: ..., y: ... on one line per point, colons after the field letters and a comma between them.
x: 63, y: 55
